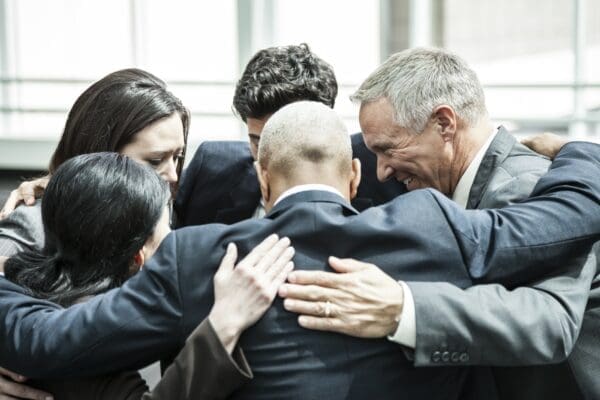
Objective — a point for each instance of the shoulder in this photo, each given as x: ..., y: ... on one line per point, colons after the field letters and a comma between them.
x: 214, y: 159
x: 21, y: 229
x: 24, y: 215
x: 515, y: 177
x: 226, y: 152
x: 522, y: 160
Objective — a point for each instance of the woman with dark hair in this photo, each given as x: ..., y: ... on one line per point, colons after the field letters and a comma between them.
x: 104, y: 214
x: 128, y: 111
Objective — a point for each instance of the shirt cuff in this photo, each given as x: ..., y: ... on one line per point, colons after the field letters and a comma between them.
x: 406, y: 333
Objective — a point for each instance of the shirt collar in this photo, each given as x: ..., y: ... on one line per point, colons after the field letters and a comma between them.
x: 463, y: 188
x: 306, y: 188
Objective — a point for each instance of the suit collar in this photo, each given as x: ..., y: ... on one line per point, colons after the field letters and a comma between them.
x: 310, y: 196
x: 499, y: 149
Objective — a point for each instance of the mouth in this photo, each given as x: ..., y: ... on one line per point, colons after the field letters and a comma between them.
x: 407, y: 181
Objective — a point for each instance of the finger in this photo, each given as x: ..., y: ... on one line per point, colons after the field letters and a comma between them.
x: 319, y: 278
x: 322, y: 324
x: 311, y: 308
x: 282, y: 276
x: 11, y: 203
x: 12, y: 375
x: 269, y: 258
x: 229, y: 259
x: 258, y: 252
x: 347, y: 264
x: 308, y: 292
x: 275, y: 268
x: 27, y: 192
x: 20, y: 391
x: 527, y: 143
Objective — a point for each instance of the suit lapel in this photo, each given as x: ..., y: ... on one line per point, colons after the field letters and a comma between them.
x: 499, y: 149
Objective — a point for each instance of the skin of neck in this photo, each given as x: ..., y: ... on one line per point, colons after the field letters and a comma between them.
x: 274, y: 183
x: 467, y: 142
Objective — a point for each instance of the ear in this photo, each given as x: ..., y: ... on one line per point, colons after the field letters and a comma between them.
x: 355, y: 178
x: 263, y: 181
x: 139, y: 259
x: 445, y: 119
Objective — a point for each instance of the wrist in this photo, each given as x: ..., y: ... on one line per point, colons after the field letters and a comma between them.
x: 396, y: 309
x: 227, y: 329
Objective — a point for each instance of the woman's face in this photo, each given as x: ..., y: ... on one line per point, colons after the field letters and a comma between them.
x: 161, y: 230
x: 159, y: 145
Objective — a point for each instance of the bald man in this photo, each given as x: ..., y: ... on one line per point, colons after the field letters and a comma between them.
x: 307, y: 178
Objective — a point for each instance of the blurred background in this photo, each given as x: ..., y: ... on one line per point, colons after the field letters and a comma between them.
x: 539, y: 61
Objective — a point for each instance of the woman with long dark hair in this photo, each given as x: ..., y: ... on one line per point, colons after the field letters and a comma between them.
x: 104, y: 215
x: 129, y: 112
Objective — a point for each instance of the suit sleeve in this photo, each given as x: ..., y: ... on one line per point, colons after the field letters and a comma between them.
x: 203, y: 369
x: 107, y: 333
x: 528, y: 241
x: 492, y: 325
x: 489, y: 324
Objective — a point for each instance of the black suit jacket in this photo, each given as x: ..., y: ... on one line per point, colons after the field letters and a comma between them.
x: 419, y: 236
x: 220, y: 184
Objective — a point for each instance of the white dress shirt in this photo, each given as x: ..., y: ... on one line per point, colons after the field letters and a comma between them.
x: 306, y: 188
x: 261, y: 212
x: 406, y: 333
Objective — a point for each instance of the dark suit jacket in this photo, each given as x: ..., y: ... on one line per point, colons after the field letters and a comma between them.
x: 417, y: 236
x: 203, y: 369
x: 220, y: 184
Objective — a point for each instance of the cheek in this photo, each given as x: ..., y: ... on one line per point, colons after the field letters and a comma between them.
x: 254, y: 150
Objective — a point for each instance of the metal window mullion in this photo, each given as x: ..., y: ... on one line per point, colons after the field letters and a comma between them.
x: 579, y: 42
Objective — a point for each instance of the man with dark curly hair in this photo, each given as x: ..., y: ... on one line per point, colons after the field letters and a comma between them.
x: 220, y: 183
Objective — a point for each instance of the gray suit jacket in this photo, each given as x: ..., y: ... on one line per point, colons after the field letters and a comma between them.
x: 500, y: 326
x: 22, y: 230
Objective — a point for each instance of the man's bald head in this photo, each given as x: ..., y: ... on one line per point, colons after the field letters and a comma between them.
x: 302, y: 137
x: 305, y: 143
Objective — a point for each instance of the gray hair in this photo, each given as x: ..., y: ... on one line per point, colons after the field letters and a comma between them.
x: 416, y: 81
x: 304, y: 132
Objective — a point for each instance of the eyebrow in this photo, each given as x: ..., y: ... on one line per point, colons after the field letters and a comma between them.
x: 379, y: 147
x: 167, y: 151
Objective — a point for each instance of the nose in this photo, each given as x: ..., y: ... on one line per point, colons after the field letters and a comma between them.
x: 384, y: 171
x: 169, y: 171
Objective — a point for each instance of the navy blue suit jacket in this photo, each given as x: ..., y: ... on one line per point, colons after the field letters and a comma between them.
x: 220, y: 184
x: 419, y: 237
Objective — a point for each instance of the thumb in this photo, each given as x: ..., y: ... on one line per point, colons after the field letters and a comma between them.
x: 346, y: 264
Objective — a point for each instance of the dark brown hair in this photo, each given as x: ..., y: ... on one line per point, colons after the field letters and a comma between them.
x: 278, y: 76
x: 110, y: 112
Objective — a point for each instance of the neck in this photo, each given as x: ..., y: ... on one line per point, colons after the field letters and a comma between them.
x: 467, y: 144
x: 280, y: 185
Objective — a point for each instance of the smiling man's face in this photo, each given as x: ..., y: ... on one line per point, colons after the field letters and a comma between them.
x: 419, y: 160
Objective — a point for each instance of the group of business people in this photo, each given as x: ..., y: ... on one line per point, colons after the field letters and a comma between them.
x: 388, y: 279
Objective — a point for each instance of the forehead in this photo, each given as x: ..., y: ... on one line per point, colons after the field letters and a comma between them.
x: 378, y: 126
x: 256, y: 125
x: 164, y: 134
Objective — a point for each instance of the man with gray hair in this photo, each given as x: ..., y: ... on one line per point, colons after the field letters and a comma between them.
x: 423, y: 114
